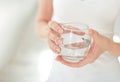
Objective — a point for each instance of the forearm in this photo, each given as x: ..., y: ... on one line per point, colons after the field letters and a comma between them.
x: 114, y: 48
x: 45, y: 12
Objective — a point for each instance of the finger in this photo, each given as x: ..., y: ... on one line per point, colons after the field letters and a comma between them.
x: 91, y: 56
x: 55, y: 48
x: 55, y: 26
x: 88, y: 56
x: 94, y: 34
x: 68, y: 29
x: 55, y: 37
x: 81, y: 63
x: 79, y: 33
x: 76, y: 45
x: 89, y: 59
x: 91, y: 50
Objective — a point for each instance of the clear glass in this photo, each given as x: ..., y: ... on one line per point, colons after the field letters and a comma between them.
x: 76, y: 41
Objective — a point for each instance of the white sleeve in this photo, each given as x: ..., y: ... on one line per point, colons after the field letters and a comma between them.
x: 116, y: 37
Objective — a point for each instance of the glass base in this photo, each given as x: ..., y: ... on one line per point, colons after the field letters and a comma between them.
x: 73, y: 59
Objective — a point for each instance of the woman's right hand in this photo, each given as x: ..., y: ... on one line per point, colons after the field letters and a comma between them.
x: 54, y: 40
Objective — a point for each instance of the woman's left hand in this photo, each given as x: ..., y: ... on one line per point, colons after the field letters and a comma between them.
x: 99, y: 45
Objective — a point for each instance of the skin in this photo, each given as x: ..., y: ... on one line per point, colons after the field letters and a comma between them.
x: 51, y: 30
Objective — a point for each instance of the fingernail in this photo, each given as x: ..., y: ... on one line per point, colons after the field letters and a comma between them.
x: 60, y: 30
x: 90, y: 31
x: 59, y: 41
x: 58, y: 50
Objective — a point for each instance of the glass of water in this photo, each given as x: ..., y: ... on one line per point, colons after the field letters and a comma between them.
x: 76, y: 41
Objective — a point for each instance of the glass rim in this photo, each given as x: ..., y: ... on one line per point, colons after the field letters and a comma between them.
x: 75, y: 25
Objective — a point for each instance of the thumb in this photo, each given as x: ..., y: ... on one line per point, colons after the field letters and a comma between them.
x: 93, y: 34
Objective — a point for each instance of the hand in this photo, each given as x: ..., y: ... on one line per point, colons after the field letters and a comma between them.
x: 99, y: 45
x: 54, y: 39
x: 55, y: 30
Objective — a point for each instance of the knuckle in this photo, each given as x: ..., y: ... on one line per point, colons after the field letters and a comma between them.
x: 56, y: 50
x: 55, y: 38
x: 52, y: 36
x: 51, y: 45
x: 55, y: 26
x: 50, y: 23
x: 54, y: 47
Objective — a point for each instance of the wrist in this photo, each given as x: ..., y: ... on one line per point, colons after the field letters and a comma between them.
x: 114, y: 48
x: 111, y: 45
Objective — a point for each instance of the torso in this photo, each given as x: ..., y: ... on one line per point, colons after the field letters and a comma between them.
x: 99, y: 15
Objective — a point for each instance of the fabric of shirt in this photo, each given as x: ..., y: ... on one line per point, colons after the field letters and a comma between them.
x: 99, y: 15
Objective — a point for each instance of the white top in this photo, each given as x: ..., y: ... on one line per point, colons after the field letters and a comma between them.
x: 99, y: 15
